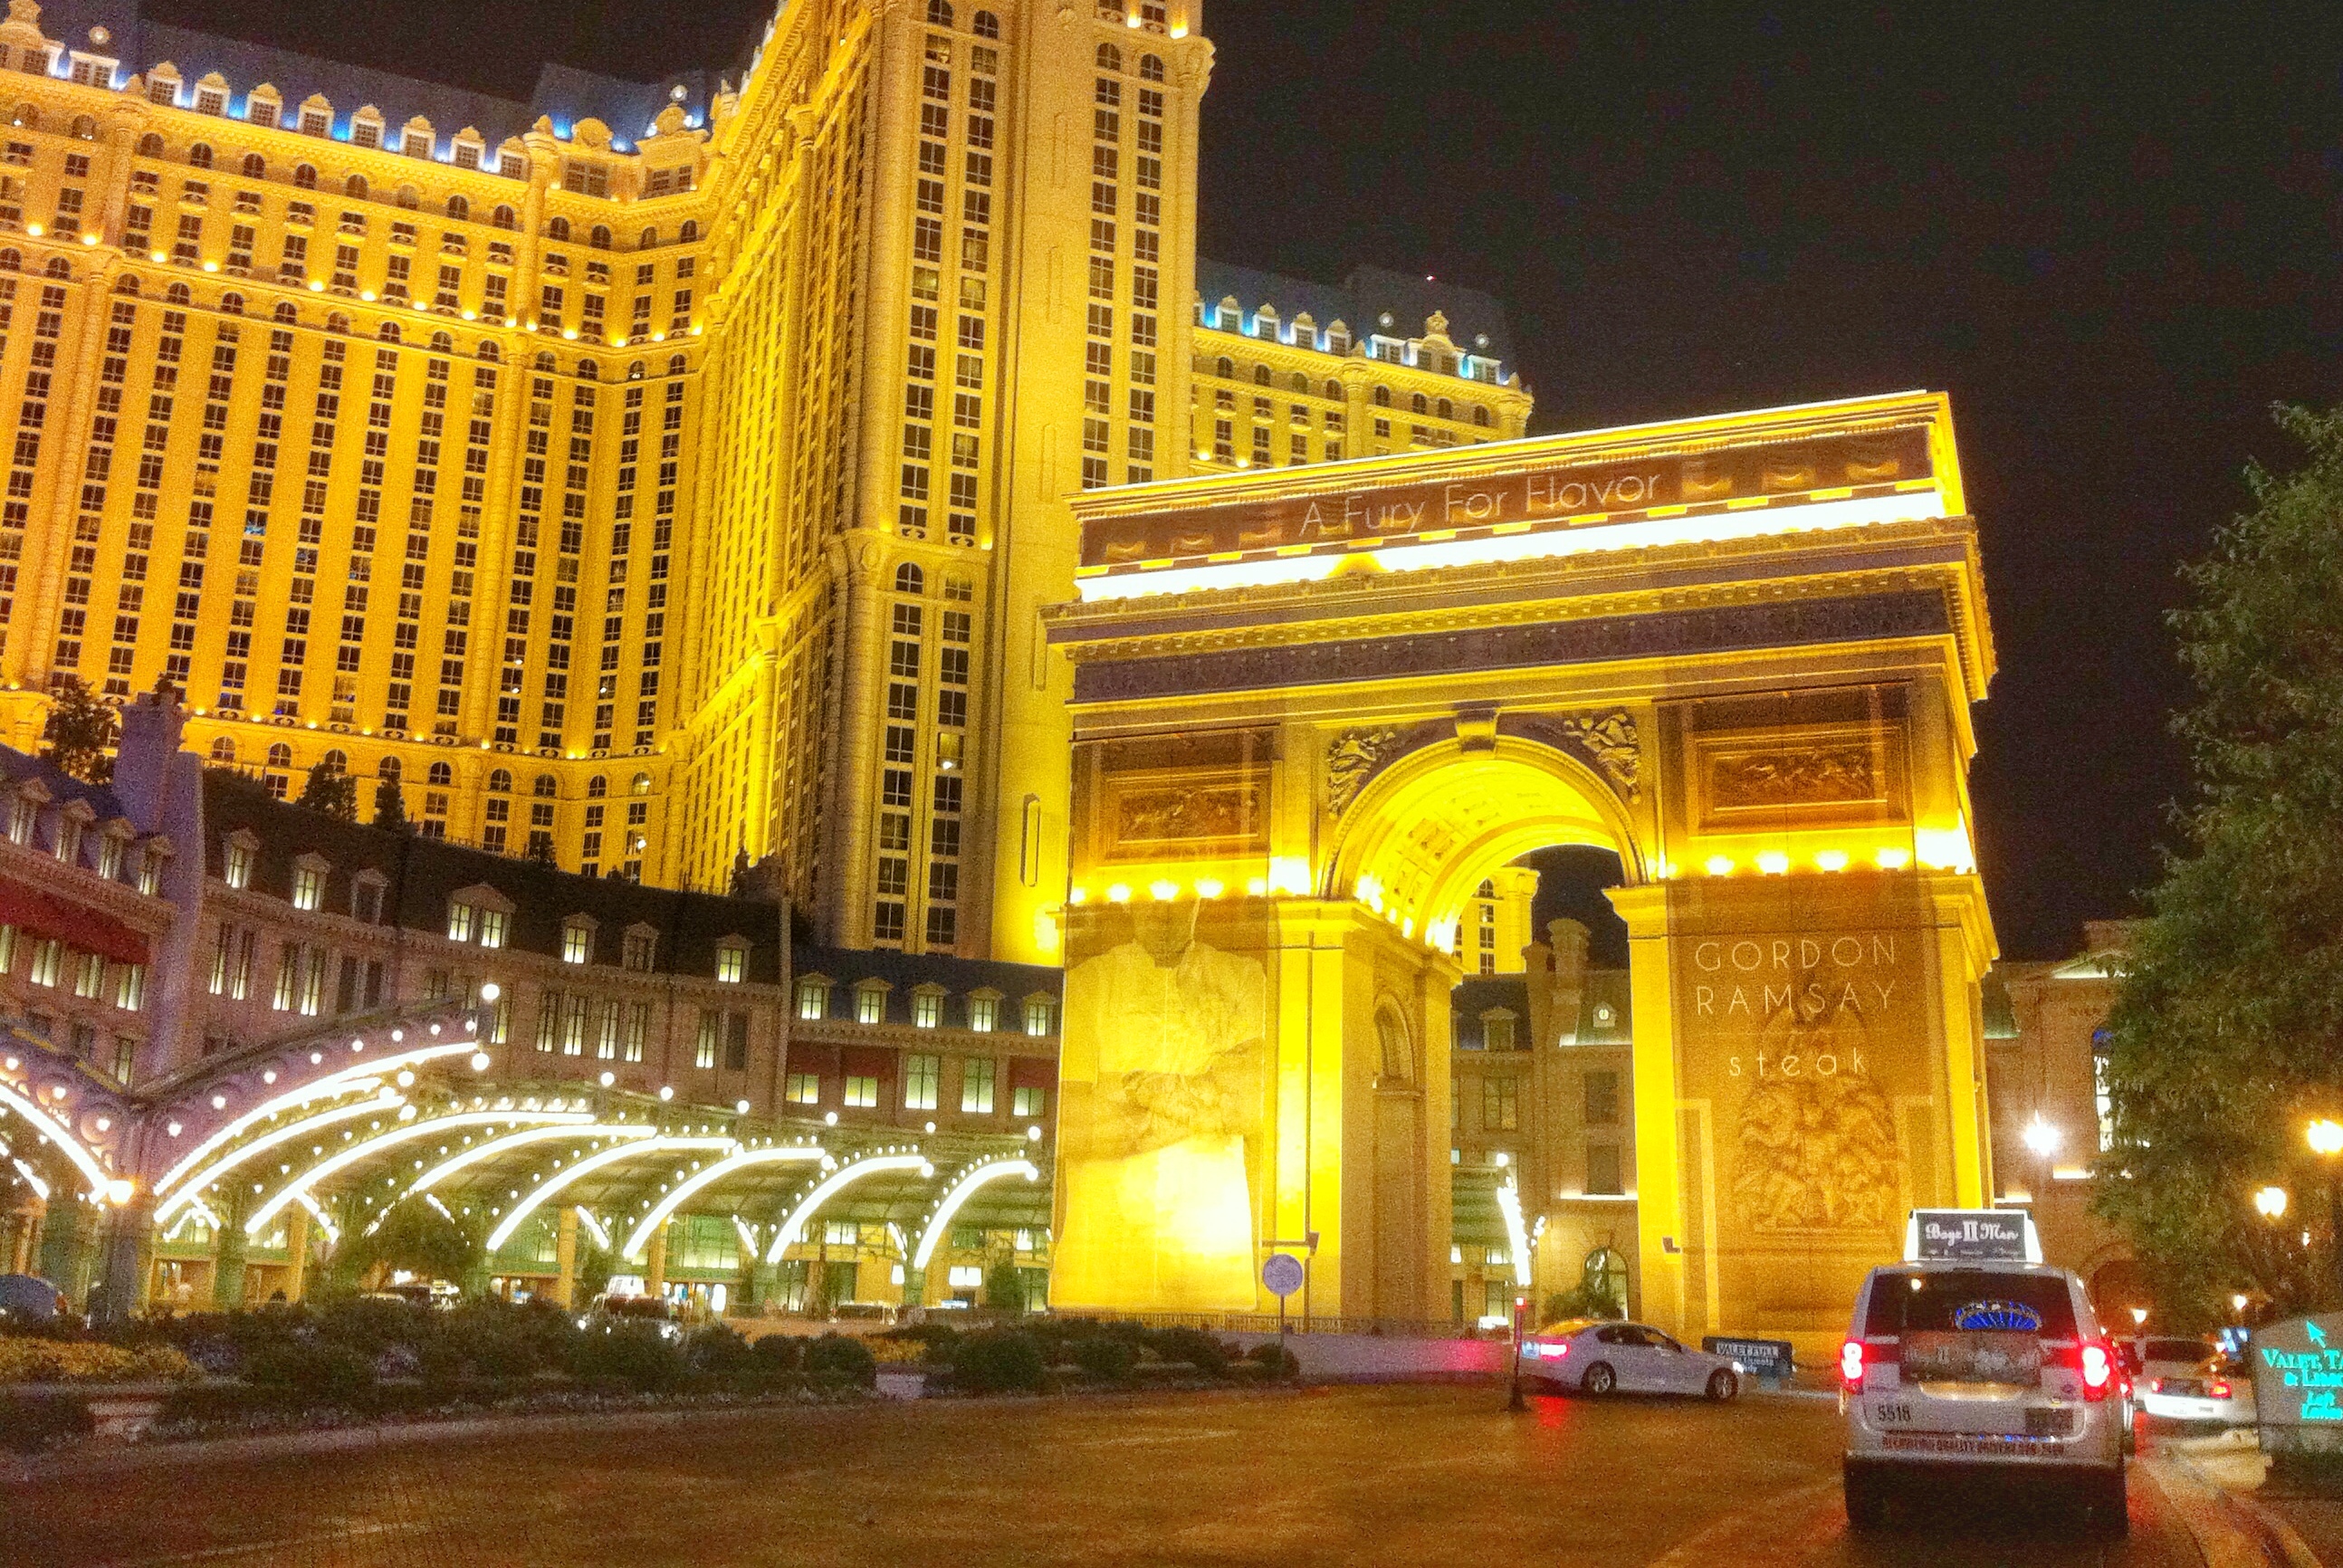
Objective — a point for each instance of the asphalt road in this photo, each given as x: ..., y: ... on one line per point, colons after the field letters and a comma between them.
x: 1407, y: 1475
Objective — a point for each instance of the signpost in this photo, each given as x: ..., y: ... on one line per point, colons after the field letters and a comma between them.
x: 1281, y: 1276
x: 2297, y: 1367
x: 1760, y: 1358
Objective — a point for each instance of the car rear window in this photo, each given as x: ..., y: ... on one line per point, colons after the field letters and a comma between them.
x: 1946, y: 1299
x: 2177, y: 1350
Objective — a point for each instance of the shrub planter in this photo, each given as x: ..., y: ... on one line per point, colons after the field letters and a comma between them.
x: 902, y: 1382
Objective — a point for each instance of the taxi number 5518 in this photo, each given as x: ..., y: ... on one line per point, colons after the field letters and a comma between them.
x: 1891, y: 1415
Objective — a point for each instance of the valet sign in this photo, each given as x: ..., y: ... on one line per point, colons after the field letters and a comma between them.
x: 2299, y: 1372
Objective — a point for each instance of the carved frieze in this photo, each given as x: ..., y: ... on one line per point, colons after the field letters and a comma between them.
x: 1609, y: 741
x: 1805, y: 777
x: 1353, y: 758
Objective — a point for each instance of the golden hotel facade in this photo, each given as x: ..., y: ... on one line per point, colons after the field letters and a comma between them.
x: 651, y: 474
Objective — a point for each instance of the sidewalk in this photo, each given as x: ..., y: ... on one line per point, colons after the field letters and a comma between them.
x: 2292, y: 1528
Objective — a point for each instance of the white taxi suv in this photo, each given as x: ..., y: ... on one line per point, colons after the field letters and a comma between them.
x: 1599, y: 1357
x: 1973, y: 1362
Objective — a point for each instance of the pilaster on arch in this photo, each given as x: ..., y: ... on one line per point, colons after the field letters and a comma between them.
x: 1423, y: 831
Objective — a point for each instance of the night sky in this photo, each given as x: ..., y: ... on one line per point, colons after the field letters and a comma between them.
x: 2109, y: 231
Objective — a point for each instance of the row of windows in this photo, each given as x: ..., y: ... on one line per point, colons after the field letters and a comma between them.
x: 89, y: 976
x: 980, y: 1082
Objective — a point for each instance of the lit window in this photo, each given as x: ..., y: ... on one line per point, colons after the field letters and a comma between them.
x: 309, y: 886
x: 89, y: 976
x: 841, y: 1232
x: 976, y: 1086
x: 239, y: 864
x: 577, y: 942
x: 1026, y: 1101
x: 861, y: 1094
x: 982, y: 1012
x: 919, y: 1075
x: 130, y: 987
x: 731, y: 962
x: 967, y: 1277
x: 813, y: 998
x: 803, y: 1088
x: 1040, y: 1015
x: 927, y: 1009
x: 461, y: 918
x: 47, y: 955
x: 492, y: 927
x: 639, y: 947
x: 869, y: 1005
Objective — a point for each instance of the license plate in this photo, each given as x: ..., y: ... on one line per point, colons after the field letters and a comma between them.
x: 2049, y: 1423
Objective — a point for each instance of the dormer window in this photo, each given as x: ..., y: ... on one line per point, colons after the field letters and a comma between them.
x: 92, y: 70
x: 462, y: 917
x: 150, y: 870
x: 162, y: 89
x: 416, y: 142
x: 262, y: 111
x: 365, y: 897
x: 365, y: 129
x: 813, y: 997
x: 109, y: 856
x: 731, y: 961
x: 23, y: 813
x: 1040, y: 1015
x: 870, y: 1002
x: 586, y: 176
x: 467, y: 153
x: 237, y: 862
x: 70, y: 823
x: 317, y: 119
x: 211, y: 100
x: 927, y: 1007
x: 1497, y: 1030
x: 641, y: 947
x: 984, y: 1011
x: 576, y: 939
x: 309, y: 883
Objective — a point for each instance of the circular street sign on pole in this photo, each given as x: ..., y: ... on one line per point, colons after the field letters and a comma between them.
x: 1281, y: 1274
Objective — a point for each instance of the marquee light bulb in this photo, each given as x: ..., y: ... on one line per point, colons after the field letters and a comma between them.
x: 1119, y: 893
x: 1832, y: 859
x: 1163, y: 892
x: 1719, y: 865
x: 1774, y: 863
x: 1894, y: 858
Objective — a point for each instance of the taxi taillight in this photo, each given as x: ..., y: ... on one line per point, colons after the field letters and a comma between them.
x: 1850, y: 1363
x: 2097, y: 1363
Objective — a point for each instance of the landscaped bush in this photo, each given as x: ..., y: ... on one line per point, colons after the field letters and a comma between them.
x: 314, y: 1368
x: 1274, y: 1359
x: 774, y: 1359
x: 999, y: 1360
x: 1193, y: 1346
x: 26, y: 1359
x: 841, y: 1360
x: 30, y: 1425
x: 716, y: 1351
x: 1109, y: 1358
x: 631, y: 1354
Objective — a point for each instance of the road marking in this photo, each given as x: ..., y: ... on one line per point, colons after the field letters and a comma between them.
x: 219, y: 1553
x: 1784, y: 1530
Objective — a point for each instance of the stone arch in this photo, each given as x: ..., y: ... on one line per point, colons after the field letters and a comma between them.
x: 1396, y: 1065
x: 1427, y: 828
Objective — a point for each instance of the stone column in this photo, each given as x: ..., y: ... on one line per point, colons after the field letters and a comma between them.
x: 297, y: 1252
x: 654, y: 1269
x: 565, y: 1256
x: 127, y: 1257
x: 69, y: 1242
x: 227, y: 1264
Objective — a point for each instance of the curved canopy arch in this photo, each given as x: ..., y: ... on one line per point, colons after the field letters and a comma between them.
x: 578, y: 1170
x: 831, y: 1186
x: 1425, y: 832
x: 391, y: 1137
x: 938, y: 1224
x: 701, y: 1181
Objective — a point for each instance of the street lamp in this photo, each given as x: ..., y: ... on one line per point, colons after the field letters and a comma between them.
x: 2237, y: 1303
x: 2139, y: 1317
x: 2042, y: 1139
x: 2271, y: 1202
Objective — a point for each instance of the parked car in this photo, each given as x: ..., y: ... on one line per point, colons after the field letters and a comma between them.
x: 1600, y: 1358
x: 2214, y: 1389
x: 1974, y: 1364
x: 609, y: 1312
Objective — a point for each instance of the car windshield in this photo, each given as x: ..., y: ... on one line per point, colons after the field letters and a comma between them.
x: 1954, y: 1299
x: 2190, y: 1350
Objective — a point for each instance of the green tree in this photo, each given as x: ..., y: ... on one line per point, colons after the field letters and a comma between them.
x: 82, y: 728
x: 413, y: 1236
x: 390, y: 807
x: 331, y: 791
x: 2226, y: 1033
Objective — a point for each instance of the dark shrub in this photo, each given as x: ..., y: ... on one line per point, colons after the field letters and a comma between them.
x: 1193, y: 1346
x: 716, y: 1351
x: 313, y: 1368
x: 1274, y: 1359
x: 484, y: 1339
x: 634, y: 1354
x: 841, y: 1360
x: 770, y: 1362
x: 1106, y: 1357
x: 370, y: 1324
x: 998, y: 1360
x: 29, y: 1424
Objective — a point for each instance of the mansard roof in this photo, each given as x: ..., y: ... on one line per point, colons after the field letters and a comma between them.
x: 1360, y: 301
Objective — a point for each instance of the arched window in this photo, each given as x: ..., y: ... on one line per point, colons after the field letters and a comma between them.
x: 635, y: 371
x: 910, y: 578
x: 641, y: 785
x: 1260, y: 374
x: 231, y: 304
x: 1398, y: 1065
x: 1445, y: 409
x: 599, y: 237
x: 335, y: 760
x: 280, y: 755
x: 489, y: 352
x: 543, y: 787
x: 442, y: 344
x: 647, y: 239
x: 500, y: 782
x: 198, y: 156
x: 287, y: 314
x: 558, y: 229
x: 1225, y: 368
x: 503, y: 217
x: 223, y: 750
x: 674, y: 364
x: 127, y: 284
x: 304, y: 176
x: 354, y: 187
x: 389, y: 332
x: 1480, y: 414
x: 177, y: 295
x: 596, y: 788
x: 388, y: 768
x: 57, y: 267
x: 1416, y: 404
x: 1301, y: 383
x: 256, y: 167
x: 1150, y: 68
x: 588, y: 371
x: 1334, y: 389
x: 544, y: 362
x: 410, y: 198
x: 337, y: 322
x: 1382, y: 396
x: 441, y: 775
x: 988, y: 25
x: 150, y: 146
x: 84, y: 128
x: 940, y: 13
x: 1109, y: 58
x: 459, y: 209
x: 689, y: 232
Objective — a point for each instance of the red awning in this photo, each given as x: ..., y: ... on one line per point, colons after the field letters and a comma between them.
x: 46, y: 915
x: 868, y: 1061
x: 1032, y: 1072
x: 806, y: 1056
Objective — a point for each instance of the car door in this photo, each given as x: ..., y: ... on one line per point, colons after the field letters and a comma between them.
x: 1638, y: 1360
x: 1674, y: 1368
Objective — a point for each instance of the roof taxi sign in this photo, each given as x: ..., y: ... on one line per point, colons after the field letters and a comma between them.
x: 1971, y: 1236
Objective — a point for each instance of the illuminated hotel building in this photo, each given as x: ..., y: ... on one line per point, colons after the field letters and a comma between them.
x: 649, y: 474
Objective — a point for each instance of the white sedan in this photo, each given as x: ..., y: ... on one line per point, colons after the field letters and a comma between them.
x: 1601, y: 1358
x: 2213, y: 1390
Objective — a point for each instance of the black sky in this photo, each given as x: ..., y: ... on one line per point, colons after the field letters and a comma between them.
x: 2110, y: 232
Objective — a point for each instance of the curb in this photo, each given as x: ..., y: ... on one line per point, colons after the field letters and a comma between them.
x: 2226, y: 1523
